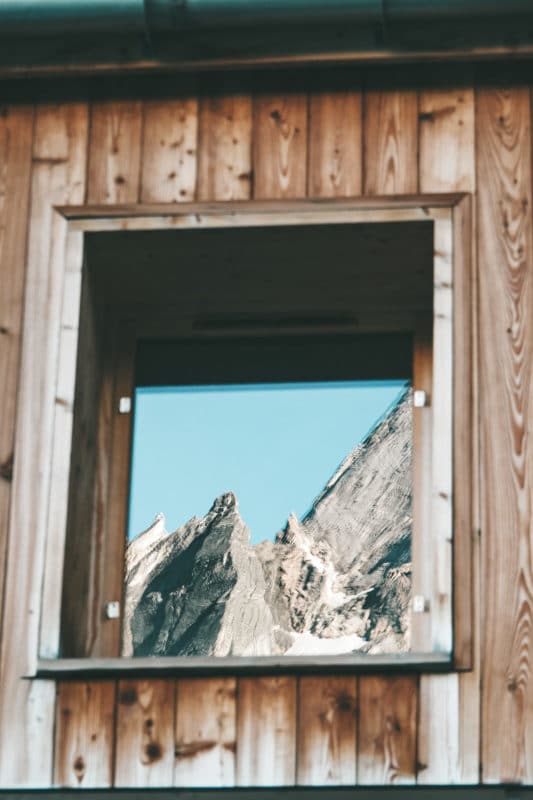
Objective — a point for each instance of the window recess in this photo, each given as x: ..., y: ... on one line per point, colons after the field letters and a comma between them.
x: 257, y: 298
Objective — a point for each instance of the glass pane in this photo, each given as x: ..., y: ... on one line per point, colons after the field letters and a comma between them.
x: 270, y: 519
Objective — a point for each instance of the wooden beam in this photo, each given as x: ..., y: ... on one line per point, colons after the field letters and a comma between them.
x: 16, y: 133
x: 506, y: 356
x: 448, y: 728
x: 58, y: 177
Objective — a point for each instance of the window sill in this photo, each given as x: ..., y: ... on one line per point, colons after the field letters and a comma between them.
x: 69, y: 668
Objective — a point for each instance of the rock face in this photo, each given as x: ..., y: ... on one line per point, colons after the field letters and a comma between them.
x: 338, y: 581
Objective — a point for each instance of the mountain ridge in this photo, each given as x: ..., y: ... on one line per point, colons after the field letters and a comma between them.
x: 337, y: 578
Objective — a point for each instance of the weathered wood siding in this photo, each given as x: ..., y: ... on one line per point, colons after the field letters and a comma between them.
x: 461, y: 728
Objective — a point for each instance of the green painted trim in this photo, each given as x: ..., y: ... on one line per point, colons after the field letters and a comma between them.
x: 33, y: 18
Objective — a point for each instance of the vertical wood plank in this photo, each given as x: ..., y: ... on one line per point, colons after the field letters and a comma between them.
x: 108, y: 632
x: 16, y: 129
x: 266, y: 707
x: 205, y: 733
x: 266, y: 732
x: 280, y: 146
x: 169, y: 151
x: 442, y: 432
x: 83, y: 527
x: 145, y: 734
x: 58, y: 178
x: 327, y: 707
x: 422, y: 482
x: 390, y: 138
x: 84, y: 735
x: 114, y: 177
x: 447, y: 140
x: 448, y: 731
x: 225, y: 152
x: 61, y: 448
x: 115, y: 152
x: 390, y: 146
x: 327, y: 731
x: 506, y: 353
x: 387, y: 731
x: 335, y: 152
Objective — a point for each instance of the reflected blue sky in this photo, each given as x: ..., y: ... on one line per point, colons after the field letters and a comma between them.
x: 273, y: 445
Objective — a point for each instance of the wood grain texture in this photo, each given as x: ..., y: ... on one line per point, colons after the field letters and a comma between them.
x: 114, y: 177
x: 387, y: 731
x: 16, y: 130
x: 506, y: 352
x: 61, y: 452
x: 391, y: 142
x: 225, y: 148
x: 84, y: 735
x: 107, y: 640
x: 447, y: 140
x: 280, y: 146
x: 115, y: 152
x: 449, y: 724
x: 205, y: 733
x: 465, y: 429
x: 442, y: 432
x: 266, y: 732
x: 335, y: 144
x: 421, y: 551
x: 58, y: 177
x: 88, y: 638
x: 390, y: 147
x: 83, y: 529
x: 327, y: 731
x: 144, y: 743
x: 169, y: 151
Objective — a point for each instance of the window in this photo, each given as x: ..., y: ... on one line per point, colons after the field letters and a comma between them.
x: 290, y: 386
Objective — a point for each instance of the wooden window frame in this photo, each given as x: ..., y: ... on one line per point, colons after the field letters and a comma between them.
x: 443, y: 500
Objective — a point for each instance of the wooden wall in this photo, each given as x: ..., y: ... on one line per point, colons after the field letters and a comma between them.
x: 446, y: 729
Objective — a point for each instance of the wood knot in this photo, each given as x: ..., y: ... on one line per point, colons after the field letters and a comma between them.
x: 79, y: 768
x: 344, y: 703
x: 6, y: 469
x: 512, y: 685
x: 153, y: 751
x: 128, y: 696
x: 148, y: 724
x: 3, y: 330
x: 120, y: 180
x: 276, y: 116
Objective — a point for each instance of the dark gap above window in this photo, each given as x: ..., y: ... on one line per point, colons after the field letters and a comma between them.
x: 183, y: 362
